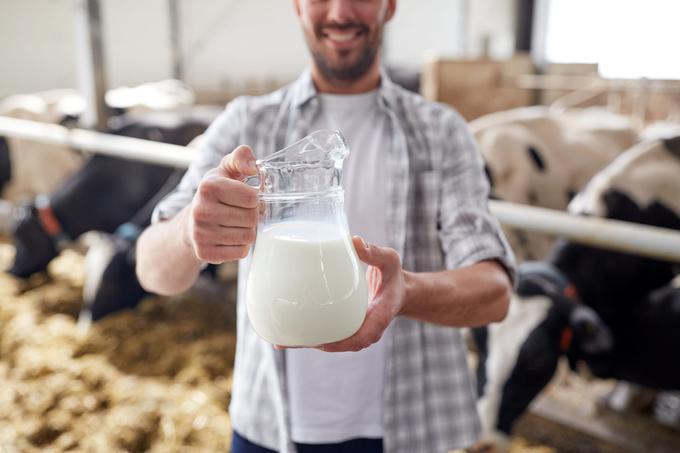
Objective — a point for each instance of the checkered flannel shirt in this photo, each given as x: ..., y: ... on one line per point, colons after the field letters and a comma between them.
x: 437, y: 219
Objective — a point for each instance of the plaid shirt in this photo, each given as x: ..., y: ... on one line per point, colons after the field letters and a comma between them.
x: 437, y: 219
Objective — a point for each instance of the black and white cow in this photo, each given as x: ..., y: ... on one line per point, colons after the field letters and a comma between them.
x: 105, y: 193
x: 520, y: 355
x: 29, y: 168
x: 111, y: 283
x: 615, y: 312
x: 536, y: 157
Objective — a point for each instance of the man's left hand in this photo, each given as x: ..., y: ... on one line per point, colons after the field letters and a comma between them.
x: 386, y: 289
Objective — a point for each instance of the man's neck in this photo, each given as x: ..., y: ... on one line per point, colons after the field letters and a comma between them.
x: 367, y: 82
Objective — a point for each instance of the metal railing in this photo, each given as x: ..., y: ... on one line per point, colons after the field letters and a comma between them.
x: 627, y: 237
x: 645, y: 240
x: 97, y: 142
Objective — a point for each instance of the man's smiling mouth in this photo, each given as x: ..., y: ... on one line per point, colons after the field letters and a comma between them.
x: 342, y: 36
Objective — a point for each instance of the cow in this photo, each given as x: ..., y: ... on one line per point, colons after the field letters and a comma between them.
x: 29, y: 168
x: 105, y: 193
x: 537, y: 157
x: 632, y: 323
x: 518, y: 358
x: 110, y: 282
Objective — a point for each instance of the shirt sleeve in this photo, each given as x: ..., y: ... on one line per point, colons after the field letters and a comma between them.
x: 468, y: 231
x: 221, y: 138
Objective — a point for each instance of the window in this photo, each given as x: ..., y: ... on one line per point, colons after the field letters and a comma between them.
x: 627, y: 38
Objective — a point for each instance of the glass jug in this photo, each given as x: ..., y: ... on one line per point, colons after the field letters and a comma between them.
x: 305, y: 286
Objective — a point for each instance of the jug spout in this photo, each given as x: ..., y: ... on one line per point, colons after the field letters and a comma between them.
x: 310, y: 166
x: 317, y: 148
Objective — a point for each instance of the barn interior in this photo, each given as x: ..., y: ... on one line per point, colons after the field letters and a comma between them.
x: 574, y: 106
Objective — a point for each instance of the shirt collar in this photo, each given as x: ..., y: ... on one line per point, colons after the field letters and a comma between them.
x: 303, y: 90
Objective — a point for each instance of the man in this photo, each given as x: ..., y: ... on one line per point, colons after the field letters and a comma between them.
x: 413, y: 182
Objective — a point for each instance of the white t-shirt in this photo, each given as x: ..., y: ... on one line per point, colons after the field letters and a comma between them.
x: 338, y: 396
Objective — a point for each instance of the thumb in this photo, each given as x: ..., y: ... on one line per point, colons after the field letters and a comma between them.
x: 385, y: 259
x: 239, y: 163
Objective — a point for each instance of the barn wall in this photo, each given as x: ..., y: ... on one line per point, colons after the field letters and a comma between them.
x: 225, y: 42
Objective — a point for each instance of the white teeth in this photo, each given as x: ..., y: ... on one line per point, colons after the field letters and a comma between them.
x: 341, y: 37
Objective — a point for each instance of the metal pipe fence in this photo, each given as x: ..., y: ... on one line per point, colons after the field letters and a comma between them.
x: 627, y: 237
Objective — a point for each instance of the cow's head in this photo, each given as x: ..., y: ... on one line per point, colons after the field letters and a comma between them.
x: 111, y: 284
x: 575, y: 330
x: 35, y: 248
x: 545, y: 322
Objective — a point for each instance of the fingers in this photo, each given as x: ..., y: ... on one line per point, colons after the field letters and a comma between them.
x: 210, y: 235
x: 385, y: 259
x: 222, y: 233
x: 239, y: 163
x: 225, y: 211
x: 279, y: 347
x: 226, y: 216
x: 387, y: 295
x: 222, y: 253
x: 227, y: 191
x: 217, y: 244
x: 369, y: 333
x: 375, y: 323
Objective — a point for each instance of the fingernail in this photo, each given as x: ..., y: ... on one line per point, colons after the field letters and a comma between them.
x: 251, y: 165
x: 364, y: 243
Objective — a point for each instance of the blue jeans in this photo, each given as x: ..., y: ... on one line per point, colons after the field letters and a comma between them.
x: 240, y: 444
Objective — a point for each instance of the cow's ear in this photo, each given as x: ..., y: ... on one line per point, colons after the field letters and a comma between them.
x: 571, y: 193
x: 673, y: 145
x: 536, y: 158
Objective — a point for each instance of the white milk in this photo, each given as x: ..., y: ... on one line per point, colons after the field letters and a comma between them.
x: 305, y: 285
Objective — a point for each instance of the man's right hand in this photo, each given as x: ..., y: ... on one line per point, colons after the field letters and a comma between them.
x: 224, y: 213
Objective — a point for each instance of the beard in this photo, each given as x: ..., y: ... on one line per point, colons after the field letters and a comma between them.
x: 347, y: 71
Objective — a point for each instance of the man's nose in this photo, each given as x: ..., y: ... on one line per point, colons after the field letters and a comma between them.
x: 341, y: 11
